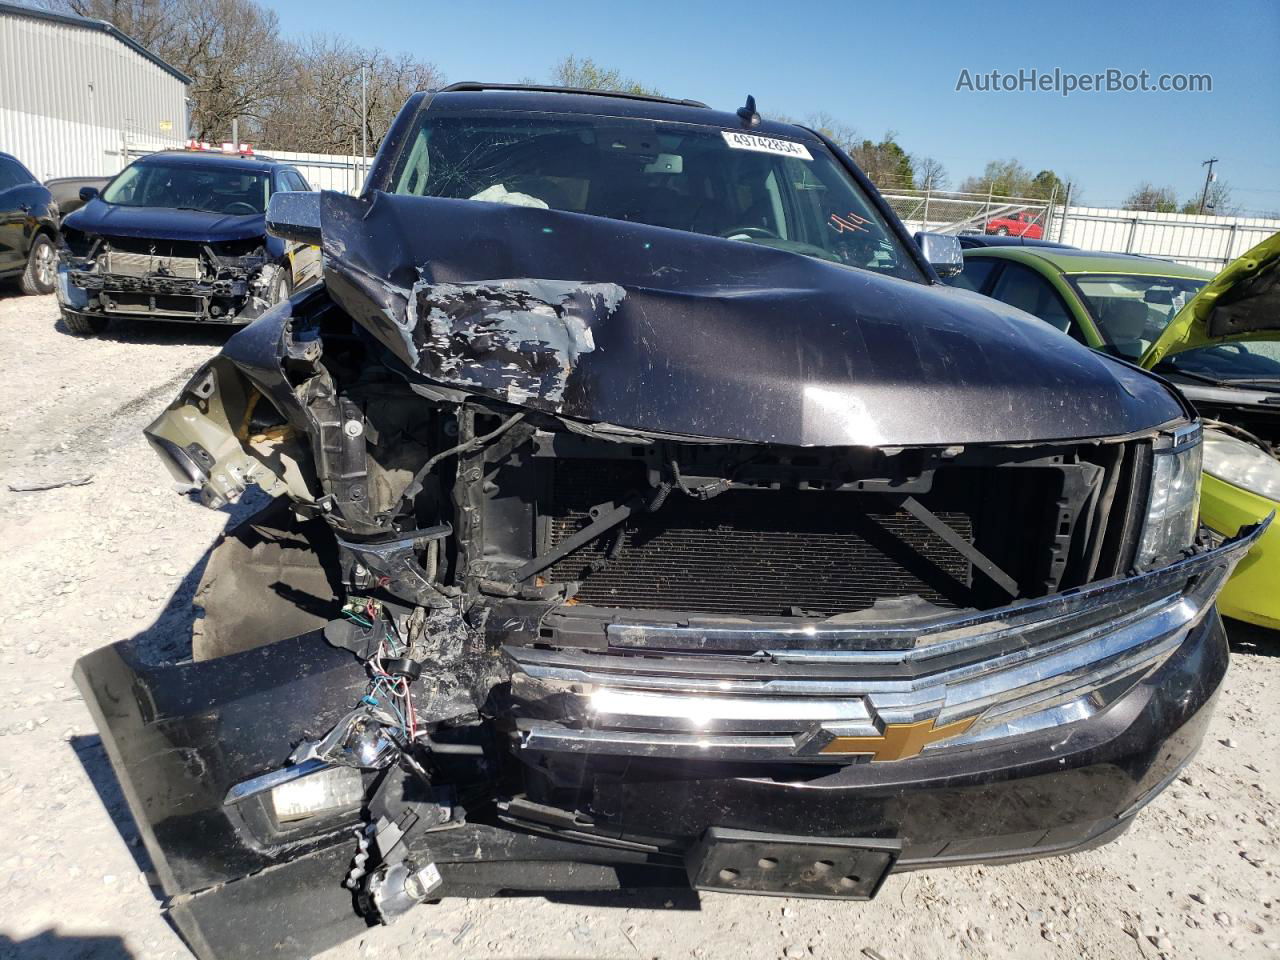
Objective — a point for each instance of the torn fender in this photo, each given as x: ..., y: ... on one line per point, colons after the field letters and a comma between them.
x: 679, y: 333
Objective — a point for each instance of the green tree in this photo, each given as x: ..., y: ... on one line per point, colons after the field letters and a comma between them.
x: 1009, y: 178
x: 586, y: 74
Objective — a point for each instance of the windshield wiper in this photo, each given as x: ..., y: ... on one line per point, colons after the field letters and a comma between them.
x: 1245, y: 383
x: 1168, y: 369
x: 1253, y: 382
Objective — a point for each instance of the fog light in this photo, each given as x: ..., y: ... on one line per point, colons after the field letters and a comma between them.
x: 330, y: 790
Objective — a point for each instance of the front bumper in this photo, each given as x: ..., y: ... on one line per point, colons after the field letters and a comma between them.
x: 181, y: 736
x: 90, y: 294
x: 1250, y: 594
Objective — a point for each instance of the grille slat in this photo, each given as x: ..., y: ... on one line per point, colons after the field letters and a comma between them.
x: 748, y: 553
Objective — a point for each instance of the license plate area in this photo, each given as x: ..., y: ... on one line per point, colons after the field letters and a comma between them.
x: 742, y: 861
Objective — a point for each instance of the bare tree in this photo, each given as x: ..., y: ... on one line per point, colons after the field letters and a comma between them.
x: 238, y: 65
x: 929, y: 173
x: 284, y: 95
x: 1218, y: 202
x: 156, y: 24
x: 1152, y: 199
x: 841, y: 134
x: 318, y: 108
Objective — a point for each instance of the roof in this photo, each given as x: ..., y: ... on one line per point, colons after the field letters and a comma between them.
x: 207, y: 158
x: 468, y: 97
x: 1072, y: 261
x: 968, y: 240
x: 69, y: 19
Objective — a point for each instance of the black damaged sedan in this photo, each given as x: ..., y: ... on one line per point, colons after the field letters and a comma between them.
x: 180, y: 236
x: 644, y: 512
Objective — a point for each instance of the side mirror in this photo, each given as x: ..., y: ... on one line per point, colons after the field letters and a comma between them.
x: 943, y: 252
x: 295, y: 216
x: 88, y: 193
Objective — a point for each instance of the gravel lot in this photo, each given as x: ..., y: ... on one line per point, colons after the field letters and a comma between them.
x: 118, y: 553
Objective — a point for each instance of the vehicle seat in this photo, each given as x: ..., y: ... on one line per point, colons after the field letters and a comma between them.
x: 1124, y: 321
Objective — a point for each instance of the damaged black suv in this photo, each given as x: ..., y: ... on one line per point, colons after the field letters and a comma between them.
x: 645, y: 512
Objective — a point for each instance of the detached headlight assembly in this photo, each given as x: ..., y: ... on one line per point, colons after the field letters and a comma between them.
x: 1174, y: 506
x: 1241, y: 464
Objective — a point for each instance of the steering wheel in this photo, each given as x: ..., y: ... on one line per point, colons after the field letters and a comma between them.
x: 761, y: 233
x: 230, y: 208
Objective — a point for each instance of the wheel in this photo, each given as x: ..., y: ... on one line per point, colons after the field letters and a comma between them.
x: 1002, y: 232
x: 281, y: 287
x: 42, y: 267
x: 83, y: 326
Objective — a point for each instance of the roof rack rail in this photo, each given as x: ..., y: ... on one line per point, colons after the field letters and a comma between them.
x: 538, y: 88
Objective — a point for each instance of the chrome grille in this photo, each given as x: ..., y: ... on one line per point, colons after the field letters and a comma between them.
x: 663, y: 690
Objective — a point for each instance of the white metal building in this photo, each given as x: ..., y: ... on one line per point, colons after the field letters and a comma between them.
x: 77, y: 96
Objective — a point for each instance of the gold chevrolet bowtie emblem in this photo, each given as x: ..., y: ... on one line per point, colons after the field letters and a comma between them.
x: 899, y: 740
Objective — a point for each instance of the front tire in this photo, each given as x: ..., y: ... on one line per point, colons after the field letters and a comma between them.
x: 1002, y: 232
x: 42, y: 267
x: 281, y: 287
x: 81, y: 325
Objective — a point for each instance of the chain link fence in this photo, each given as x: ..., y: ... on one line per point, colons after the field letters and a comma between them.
x: 946, y: 211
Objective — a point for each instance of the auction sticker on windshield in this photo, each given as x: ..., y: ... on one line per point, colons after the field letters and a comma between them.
x: 753, y: 141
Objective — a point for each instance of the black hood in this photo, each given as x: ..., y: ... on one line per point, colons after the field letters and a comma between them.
x: 165, y: 223
x: 679, y: 333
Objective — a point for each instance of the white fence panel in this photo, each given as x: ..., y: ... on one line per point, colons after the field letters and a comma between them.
x: 1198, y: 241
x: 326, y: 171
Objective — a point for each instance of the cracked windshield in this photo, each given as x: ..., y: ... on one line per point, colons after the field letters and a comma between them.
x: 745, y: 187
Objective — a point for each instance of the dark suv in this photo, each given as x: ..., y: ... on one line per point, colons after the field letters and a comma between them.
x: 28, y: 228
x: 646, y: 512
x: 181, y: 235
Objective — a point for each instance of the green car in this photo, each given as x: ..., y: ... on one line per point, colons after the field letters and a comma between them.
x: 1217, y: 338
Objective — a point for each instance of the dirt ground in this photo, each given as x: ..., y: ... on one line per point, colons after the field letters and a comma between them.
x: 116, y: 552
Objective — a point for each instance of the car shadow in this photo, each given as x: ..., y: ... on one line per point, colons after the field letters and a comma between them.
x: 51, y: 945
x: 157, y: 332
x: 634, y: 898
x: 92, y: 756
x: 1248, y: 638
x: 9, y: 290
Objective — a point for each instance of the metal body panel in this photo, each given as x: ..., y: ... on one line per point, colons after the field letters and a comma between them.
x: 75, y: 93
x: 737, y: 342
x: 992, y: 803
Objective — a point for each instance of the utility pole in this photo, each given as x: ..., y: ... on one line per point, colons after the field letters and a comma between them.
x: 1208, y: 179
x: 364, y: 121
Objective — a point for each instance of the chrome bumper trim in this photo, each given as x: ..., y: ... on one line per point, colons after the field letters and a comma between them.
x: 747, y: 692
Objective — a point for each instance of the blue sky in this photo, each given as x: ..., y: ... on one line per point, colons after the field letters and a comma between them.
x: 895, y: 66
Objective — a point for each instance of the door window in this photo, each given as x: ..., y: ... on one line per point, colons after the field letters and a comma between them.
x: 1022, y: 287
x: 975, y: 274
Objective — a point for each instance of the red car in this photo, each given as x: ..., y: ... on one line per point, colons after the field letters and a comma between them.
x: 1016, y: 225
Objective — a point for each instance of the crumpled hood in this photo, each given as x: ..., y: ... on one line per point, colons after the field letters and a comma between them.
x: 1240, y: 303
x: 678, y: 333
x: 163, y: 223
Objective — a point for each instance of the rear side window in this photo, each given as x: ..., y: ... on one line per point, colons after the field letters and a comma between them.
x: 974, y: 275
x: 1027, y: 290
x: 11, y: 175
x: 292, y: 180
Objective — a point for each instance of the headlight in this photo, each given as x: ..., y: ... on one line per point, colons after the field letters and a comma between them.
x: 1241, y: 464
x: 1174, y: 505
x: 329, y: 790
